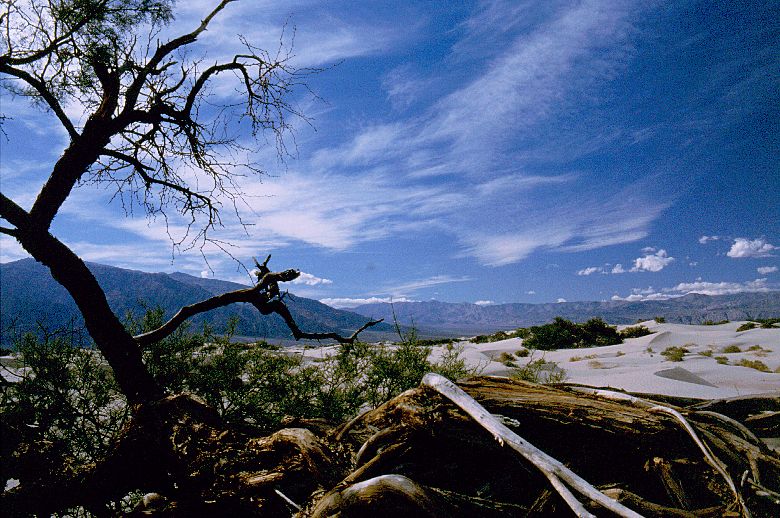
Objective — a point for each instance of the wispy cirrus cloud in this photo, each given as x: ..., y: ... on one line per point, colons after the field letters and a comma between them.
x: 419, y: 284
x: 764, y: 270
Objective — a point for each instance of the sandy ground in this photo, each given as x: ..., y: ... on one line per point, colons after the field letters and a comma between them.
x: 637, y: 365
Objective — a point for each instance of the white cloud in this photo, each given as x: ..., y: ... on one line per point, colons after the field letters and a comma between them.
x: 204, y: 274
x: 652, y: 262
x: 723, y: 288
x: 744, y: 247
x: 310, y: 280
x: 618, y: 268
x: 590, y: 270
x: 700, y: 287
x: 763, y: 270
x: 530, y: 292
x: 560, y: 300
x: 706, y: 239
x: 484, y: 302
x: 345, y: 302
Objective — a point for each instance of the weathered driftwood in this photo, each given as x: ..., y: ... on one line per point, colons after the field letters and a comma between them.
x: 646, y: 460
x: 711, y: 459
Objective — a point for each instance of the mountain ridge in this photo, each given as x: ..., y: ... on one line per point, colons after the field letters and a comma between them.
x: 472, y: 318
x: 31, y: 296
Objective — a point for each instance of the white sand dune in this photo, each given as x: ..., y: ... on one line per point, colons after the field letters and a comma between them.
x: 638, y: 366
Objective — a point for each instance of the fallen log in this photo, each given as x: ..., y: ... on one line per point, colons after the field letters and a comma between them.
x: 648, y: 460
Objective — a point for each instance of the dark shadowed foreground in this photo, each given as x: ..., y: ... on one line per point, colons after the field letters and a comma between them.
x: 422, y: 455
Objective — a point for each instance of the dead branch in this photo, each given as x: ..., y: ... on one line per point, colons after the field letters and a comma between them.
x: 265, y: 296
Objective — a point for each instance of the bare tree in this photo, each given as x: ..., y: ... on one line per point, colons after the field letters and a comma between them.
x: 147, y: 119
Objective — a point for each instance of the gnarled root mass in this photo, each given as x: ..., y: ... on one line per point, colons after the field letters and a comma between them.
x: 420, y: 454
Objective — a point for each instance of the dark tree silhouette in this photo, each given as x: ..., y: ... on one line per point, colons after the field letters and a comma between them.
x: 147, y: 119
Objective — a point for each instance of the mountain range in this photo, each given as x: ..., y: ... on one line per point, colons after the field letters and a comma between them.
x: 469, y: 319
x: 29, y: 296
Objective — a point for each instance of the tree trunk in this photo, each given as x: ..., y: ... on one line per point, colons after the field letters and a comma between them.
x: 117, y: 345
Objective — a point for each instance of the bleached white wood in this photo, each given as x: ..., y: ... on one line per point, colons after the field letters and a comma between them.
x: 553, y: 469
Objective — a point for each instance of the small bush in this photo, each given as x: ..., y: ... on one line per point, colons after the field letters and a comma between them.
x: 595, y: 364
x: 619, y: 354
x: 522, y: 353
x: 746, y: 327
x: 660, y: 320
x: 507, y: 359
x: 729, y: 349
x: 675, y: 353
x: 575, y: 358
x: 540, y: 371
x: 708, y: 353
x: 714, y: 323
x: 768, y: 324
x: 634, y: 332
x: 649, y: 350
x: 753, y: 364
x: 722, y: 360
x: 755, y: 348
x: 564, y: 334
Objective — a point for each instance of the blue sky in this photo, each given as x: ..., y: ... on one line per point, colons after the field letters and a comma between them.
x: 497, y: 151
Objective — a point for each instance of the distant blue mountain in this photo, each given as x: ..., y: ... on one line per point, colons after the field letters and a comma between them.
x: 470, y: 319
x: 29, y: 295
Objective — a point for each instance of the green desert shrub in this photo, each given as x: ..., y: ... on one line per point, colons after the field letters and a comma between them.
x: 634, y: 332
x: 68, y: 392
x: 65, y: 396
x: 753, y: 364
x: 660, y: 320
x: 722, y: 360
x: 769, y: 323
x: 540, y: 371
x: 675, y: 353
x: 729, y: 349
x: 564, y: 334
x: 522, y: 353
x: 708, y: 353
x: 714, y: 323
x: 747, y: 326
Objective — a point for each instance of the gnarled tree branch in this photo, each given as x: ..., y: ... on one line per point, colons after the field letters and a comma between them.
x: 265, y: 296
